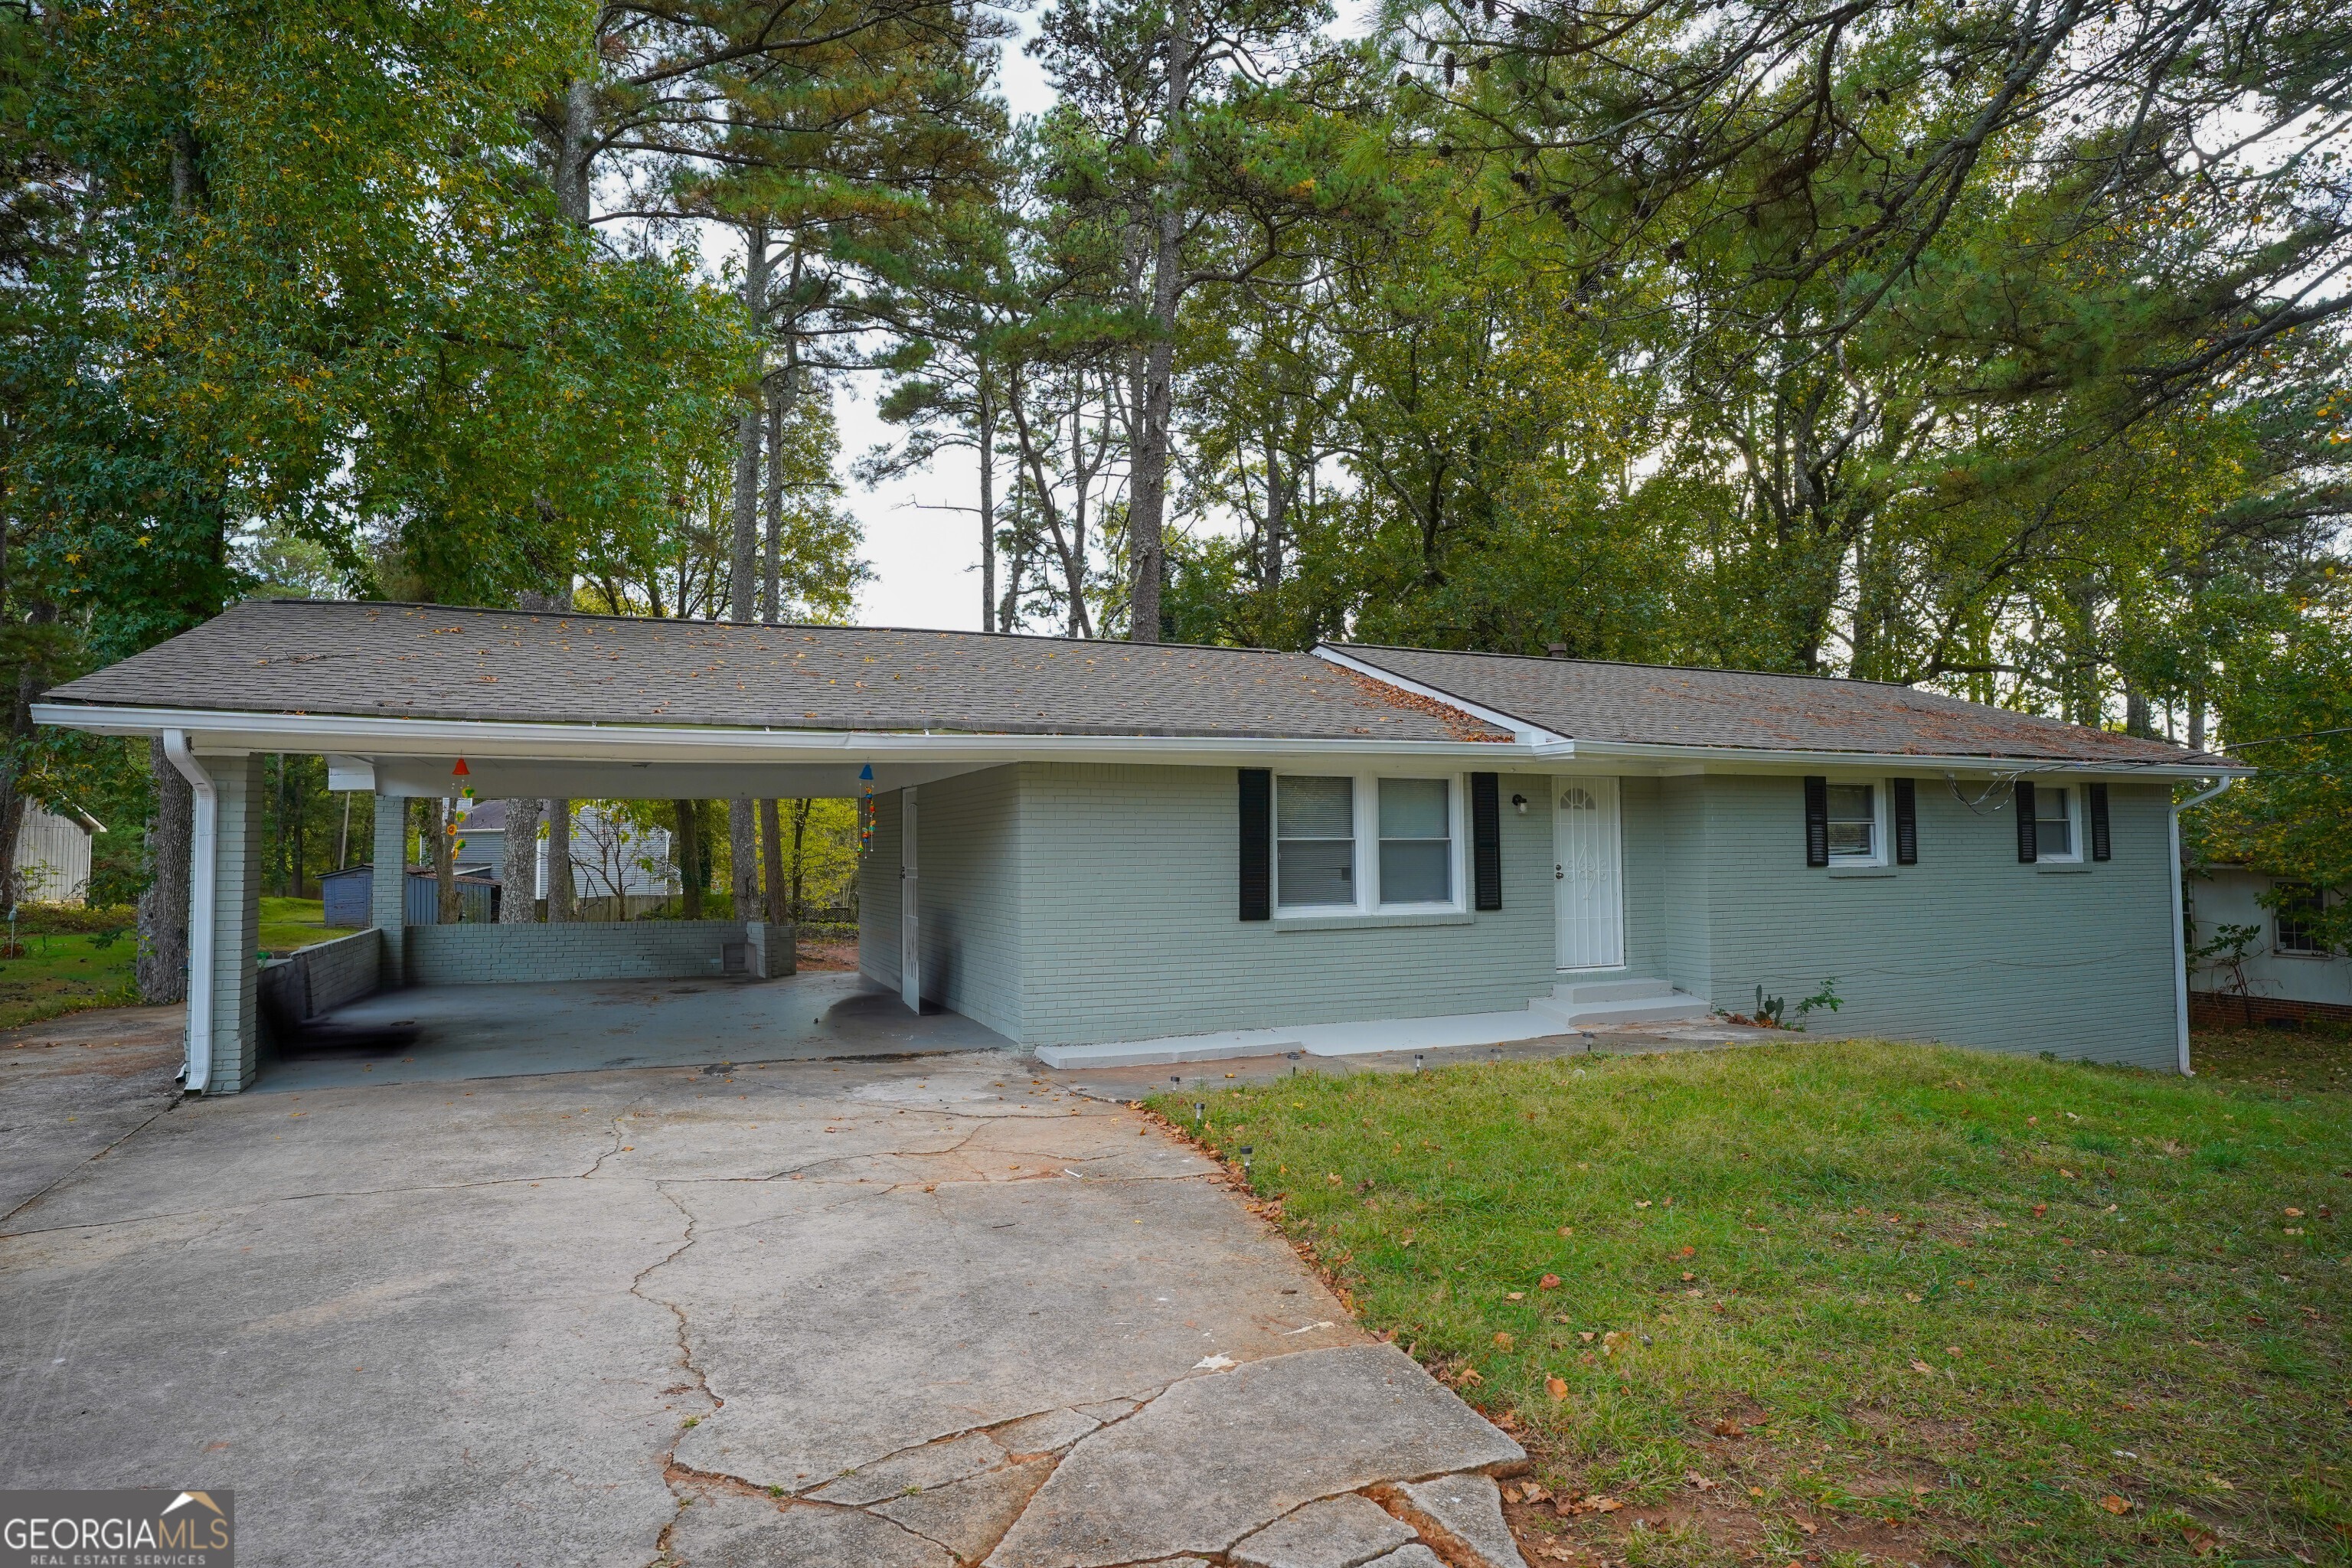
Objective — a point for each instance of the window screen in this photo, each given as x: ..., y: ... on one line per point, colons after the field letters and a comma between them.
x: 1416, y: 842
x: 1315, y: 841
x: 2053, y: 827
x: 1853, y: 823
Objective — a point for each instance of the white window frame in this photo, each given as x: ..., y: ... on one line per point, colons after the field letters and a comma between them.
x: 2278, y: 936
x: 1364, y: 875
x: 2074, y: 792
x: 1877, y: 856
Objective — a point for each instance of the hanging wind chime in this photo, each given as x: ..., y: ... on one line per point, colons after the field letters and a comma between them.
x: 462, y: 807
x: 865, y: 809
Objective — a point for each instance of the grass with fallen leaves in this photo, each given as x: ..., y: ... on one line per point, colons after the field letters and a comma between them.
x: 2316, y: 1057
x: 1851, y: 1302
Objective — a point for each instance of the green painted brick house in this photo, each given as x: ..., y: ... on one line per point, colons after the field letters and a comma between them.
x: 1110, y: 852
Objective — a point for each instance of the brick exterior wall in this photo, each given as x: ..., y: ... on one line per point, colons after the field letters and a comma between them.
x: 2227, y: 1010
x: 476, y: 955
x: 386, y: 909
x: 1070, y: 903
x: 237, y: 924
x: 1968, y: 946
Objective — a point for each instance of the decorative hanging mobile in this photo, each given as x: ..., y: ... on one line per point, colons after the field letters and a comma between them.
x: 865, y: 809
x: 462, y: 807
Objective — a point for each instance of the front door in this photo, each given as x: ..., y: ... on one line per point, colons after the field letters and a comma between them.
x: 1586, y: 877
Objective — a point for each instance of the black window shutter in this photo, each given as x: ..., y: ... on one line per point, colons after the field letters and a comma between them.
x: 2101, y: 848
x: 1487, y: 841
x: 1817, y: 820
x: 2027, y: 853
x: 1257, y: 843
x: 1906, y: 821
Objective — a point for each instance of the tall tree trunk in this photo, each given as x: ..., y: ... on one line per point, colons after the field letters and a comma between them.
x: 163, y: 908
x: 987, y: 433
x: 743, y: 564
x: 771, y: 550
x: 519, y: 896
x: 559, y: 903
x: 1277, y: 514
x: 771, y: 863
x: 1148, y: 487
x: 743, y: 567
x: 2196, y: 716
x: 571, y: 154
x: 686, y: 852
x: 439, y: 835
x: 799, y: 857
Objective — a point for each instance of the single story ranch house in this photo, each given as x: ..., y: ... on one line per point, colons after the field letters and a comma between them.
x: 1115, y: 852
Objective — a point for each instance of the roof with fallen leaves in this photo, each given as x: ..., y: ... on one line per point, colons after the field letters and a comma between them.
x: 427, y: 661
x: 1663, y: 705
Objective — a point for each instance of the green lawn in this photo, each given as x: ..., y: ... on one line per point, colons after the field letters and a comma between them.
x: 1852, y: 1302
x: 289, y: 923
x: 63, y: 973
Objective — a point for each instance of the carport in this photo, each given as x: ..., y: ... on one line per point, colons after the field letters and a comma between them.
x: 525, y: 989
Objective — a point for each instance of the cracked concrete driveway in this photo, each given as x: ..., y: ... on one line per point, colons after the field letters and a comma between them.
x: 846, y: 1315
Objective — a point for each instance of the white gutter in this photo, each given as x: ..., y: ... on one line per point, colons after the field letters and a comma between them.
x: 2180, y: 923
x: 363, y: 735
x: 204, y: 862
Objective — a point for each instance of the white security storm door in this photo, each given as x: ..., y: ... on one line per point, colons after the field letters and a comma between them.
x: 1587, y: 878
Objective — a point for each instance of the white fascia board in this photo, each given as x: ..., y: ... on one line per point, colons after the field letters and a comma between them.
x: 1740, y: 759
x: 1522, y: 731
x: 360, y: 736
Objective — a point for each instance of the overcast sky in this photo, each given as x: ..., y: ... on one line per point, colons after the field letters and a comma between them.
x: 926, y: 560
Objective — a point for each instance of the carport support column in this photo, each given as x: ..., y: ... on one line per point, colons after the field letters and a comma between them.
x: 236, y: 918
x: 910, y: 906
x: 388, y: 888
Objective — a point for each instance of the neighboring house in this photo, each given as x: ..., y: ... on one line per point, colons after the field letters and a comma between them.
x: 53, y: 854
x: 2288, y: 973
x: 611, y: 858
x: 1114, y: 851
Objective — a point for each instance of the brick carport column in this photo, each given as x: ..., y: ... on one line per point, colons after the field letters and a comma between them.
x: 388, y: 887
x: 236, y: 923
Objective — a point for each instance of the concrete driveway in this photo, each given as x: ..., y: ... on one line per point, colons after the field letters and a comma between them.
x: 924, y: 1312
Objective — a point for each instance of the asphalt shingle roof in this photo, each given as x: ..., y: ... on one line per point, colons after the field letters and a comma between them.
x: 1661, y: 705
x: 430, y: 661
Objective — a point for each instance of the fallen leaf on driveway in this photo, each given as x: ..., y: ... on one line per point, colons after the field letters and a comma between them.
x: 1217, y: 1362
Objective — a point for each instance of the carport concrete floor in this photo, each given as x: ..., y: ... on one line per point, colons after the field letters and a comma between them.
x: 839, y: 1314
x: 439, y: 1033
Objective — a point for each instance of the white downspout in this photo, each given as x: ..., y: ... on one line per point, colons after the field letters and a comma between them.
x: 204, y: 863
x: 2180, y: 925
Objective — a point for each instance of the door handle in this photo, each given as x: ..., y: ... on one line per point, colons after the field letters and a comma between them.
x: 1558, y: 873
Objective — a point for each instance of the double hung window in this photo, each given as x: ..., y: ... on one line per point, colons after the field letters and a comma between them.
x: 1854, y: 838
x: 1355, y: 844
x: 2055, y: 835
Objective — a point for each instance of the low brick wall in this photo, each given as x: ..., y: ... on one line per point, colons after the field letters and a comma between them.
x: 2225, y: 1010
x: 625, y: 950
x: 316, y: 980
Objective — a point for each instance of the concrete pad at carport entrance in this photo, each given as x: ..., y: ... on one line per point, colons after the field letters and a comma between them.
x: 430, y: 1034
x: 72, y: 1086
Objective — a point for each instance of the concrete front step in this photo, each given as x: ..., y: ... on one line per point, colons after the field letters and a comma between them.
x: 1584, y: 992
x: 1673, y: 1005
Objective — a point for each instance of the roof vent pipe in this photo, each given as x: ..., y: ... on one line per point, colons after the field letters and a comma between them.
x: 1556, y: 650
x: 202, y: 854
